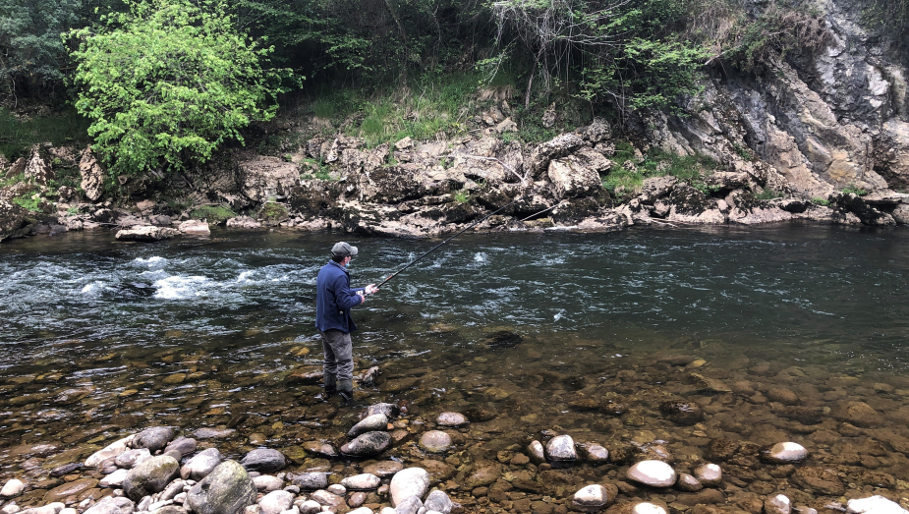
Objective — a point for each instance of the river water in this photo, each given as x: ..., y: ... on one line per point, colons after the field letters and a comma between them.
x: 783, y: 333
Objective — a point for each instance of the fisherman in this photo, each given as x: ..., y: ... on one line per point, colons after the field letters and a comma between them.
x: 334, y: 299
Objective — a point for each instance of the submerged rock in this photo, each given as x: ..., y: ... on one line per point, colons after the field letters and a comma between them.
x: 590, y: 498
x: 784, y: 453
x: 654, y: 473
x: 435, y: 441
x: 13, y: 487
x: 369, y: 444
x: 375, y: 422
x: 561, y: 449
x: 682, y: 412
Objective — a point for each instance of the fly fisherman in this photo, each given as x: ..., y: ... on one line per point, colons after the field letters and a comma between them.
x: 334, y: 299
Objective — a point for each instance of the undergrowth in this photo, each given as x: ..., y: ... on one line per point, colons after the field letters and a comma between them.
x: 627, y: 177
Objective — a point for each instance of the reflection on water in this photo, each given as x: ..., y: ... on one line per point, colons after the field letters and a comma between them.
x: 585, y: 334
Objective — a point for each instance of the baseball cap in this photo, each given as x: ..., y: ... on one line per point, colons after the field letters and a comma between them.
x: 342, y: 249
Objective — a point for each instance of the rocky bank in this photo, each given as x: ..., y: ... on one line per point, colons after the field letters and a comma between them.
x: 821, y: 137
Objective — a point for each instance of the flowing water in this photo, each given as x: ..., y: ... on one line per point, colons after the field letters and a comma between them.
x: 794, y: 333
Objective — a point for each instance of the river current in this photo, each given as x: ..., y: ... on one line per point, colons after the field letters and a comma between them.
x: 526, y: 333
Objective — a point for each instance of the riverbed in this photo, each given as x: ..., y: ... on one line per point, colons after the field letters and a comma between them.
x: 777, y: 333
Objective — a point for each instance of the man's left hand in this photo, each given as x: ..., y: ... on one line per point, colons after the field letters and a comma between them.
x: 372, y: 289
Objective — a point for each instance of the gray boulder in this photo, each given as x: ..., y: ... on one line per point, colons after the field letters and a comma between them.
x: 264, y: 460
x: 112, y: 505
x: 310, y: 481
x: 369, y: 444
x: 439, y: 502
x: 410, y: 505
x: 373, y: 423
x: 276, y: 502
x: 408, y: 482
x: 150, y: 476
x: 201, y: 464
x: 226, y: 490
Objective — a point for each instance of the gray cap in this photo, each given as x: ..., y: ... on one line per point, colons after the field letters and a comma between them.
x: 343, y: 249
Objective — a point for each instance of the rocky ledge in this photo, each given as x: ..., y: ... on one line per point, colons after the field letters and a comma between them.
x: 429, y: 189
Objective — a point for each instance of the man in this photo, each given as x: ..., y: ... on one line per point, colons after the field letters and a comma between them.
x: 334, y: 299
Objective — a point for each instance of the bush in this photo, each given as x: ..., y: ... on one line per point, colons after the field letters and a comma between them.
x: 216, y: 214
x: 166, y: 83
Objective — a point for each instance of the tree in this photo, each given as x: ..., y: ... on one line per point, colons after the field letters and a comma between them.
x: 167, y: 82
x: 626, y: 51
x: 31, y: 52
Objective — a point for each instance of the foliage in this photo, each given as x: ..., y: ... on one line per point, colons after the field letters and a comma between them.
x: 629, y: 174
x: 889, y: 17
x: 31, y: 53
x: 768, y: 194
x: 779, y: 31
x: 319, y: 170
x: 29, y: 201
x: 18, y: 134
x: 273, y: 212
x: 168, y: 82
x: 216, y: 214
x: 462, y: 196
x: 622, y: 52
x: 824, y: 202
x: 855, y: 190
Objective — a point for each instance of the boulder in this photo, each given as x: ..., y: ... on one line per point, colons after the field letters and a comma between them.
x: 408, y: 482
x: 146, y: 233
x: 194, y: 228
x: 647, y: 508
x: 154, y: 438
x: 435, y: 441
x: 590, y: 498
x: 13, y: 487
x: 373, y: 423
x: 14, y: 220
x: 244, y: 223
x: 561, y: 449
x: 130, y: 458
x: 226, y: 490
x: 92, y: 176
x: 112, y: 505
x: 711, y: 475
x: 201, y: 464
x: 369, y: 444
x: 559, y: 146
x: 69, y: 489
x: 311, y: 481
x: 362, y: 482
x: 276, y: 502
x: 109, y: 452
x: 578, y: 174
x: 874, y: 505
x: 150, y: 476
x: 438, y: 501
x: 654, y: 473
x: 264, y: 460
x: 452, y: 419
x: 265, y: 178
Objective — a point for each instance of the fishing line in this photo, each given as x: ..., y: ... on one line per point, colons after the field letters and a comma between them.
x: 436, y: 247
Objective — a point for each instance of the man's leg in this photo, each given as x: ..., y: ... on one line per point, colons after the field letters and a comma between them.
x: 329, y: 363
x: 342, y: 350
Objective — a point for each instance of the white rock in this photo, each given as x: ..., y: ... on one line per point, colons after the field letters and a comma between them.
x: 408, y: 482
x: 194, y: 228
x: 787, y: 452
x: 310, y: 507
x: 13, y: 487
x: 452, y: 419
x: 874, y: 505
x: 69, y: 510
x: 654, y: 473
x: 267, y: 483
x: 647, y: 508
x: 326, y: 498
x: 10, y: 508
x: 201, y: 464
x: 276, y: 502
x: 561, y: 449
x: 369, y: 424
x: 109, y: 452
x: 131, y: 458
x: 387, y: 510
x: 292, y: 510
x: 360, y: 510
x: 592, y: 497
x: 362, y: 482
x: 337, y: 489
x: 709, y: 474
x: 115, y: 479
x: 779, y: 504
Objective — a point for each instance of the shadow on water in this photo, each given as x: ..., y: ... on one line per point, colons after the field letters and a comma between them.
x: 763, y: 335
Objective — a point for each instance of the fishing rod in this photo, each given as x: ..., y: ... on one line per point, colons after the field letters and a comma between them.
x: 436, y: 247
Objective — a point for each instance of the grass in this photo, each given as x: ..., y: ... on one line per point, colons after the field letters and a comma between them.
x: 625, y: 180
x: 213, y: 213
x: 854, y: 190
x: 18, y: 134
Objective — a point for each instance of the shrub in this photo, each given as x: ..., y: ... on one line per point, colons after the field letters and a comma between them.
x: 216, y: 214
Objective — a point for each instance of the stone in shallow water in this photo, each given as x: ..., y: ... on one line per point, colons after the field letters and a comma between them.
x: 452, y: 419
x: 561, y: 449
x: 408, y: 482
x: 13, y: 487
x: 310, y: 481
x: 654, y: 473
x: 536, y: 452
x: 711, y: 475
x: 226, y: 490
x: 595, y: 453
x: 371, y: 423
x: 435, y: 441
x: 201, y: 464
x: 786, y: 452
x: 130, y: 458
x: 68, y: 489
x: 276, y: 502
x: 362, y: 482
x: 439, y: 501
x: 779, y: 504
x: 647, y: 508
x: 264, y: 460
x: 874, y: 505
x: 367, y: 445
x: 383, y: 469
x: 688, y: 483
x: 109, y: 452
x: 112, y: 505
x: 154, y: 438
x: 590, y: 498
x: 682, y: 412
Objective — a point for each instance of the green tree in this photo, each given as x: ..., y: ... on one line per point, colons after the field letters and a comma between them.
x: 31, y: 52
x: 167, y: 82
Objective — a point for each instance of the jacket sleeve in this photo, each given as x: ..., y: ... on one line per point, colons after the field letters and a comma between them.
x: 346, y: 297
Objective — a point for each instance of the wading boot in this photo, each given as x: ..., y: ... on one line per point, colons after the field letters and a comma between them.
x: 329, y: 387
x: 345, y: 390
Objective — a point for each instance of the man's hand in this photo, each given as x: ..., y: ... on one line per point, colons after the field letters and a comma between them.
x: 372, y: 289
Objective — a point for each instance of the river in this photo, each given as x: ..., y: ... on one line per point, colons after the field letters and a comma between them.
x: 529, y: 334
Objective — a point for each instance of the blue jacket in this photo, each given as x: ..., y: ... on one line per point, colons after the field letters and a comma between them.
x: 335, y: 298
